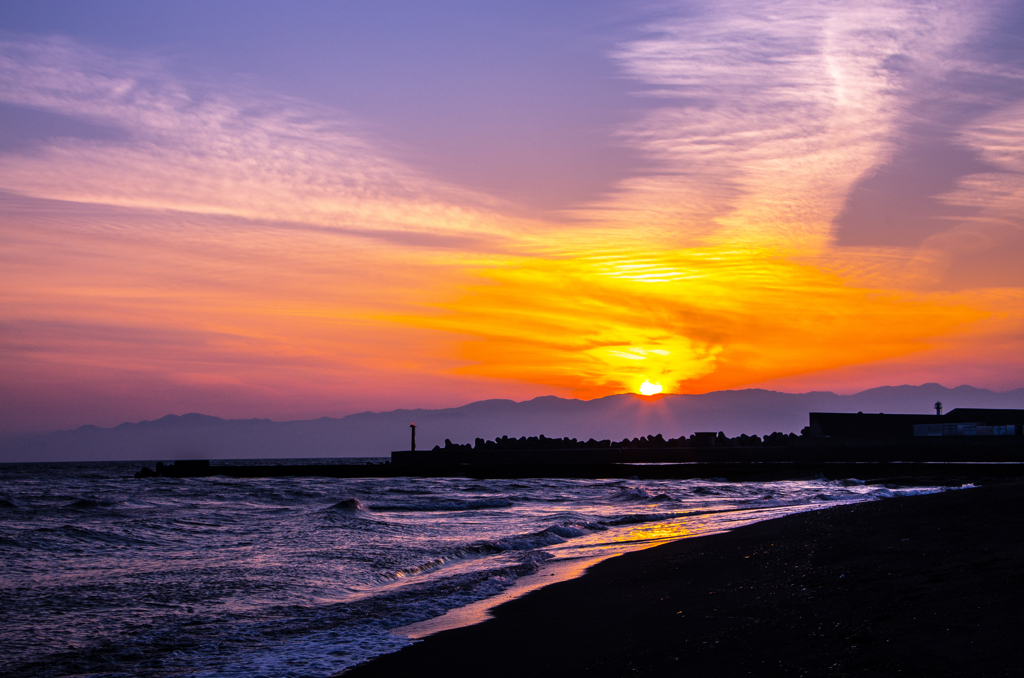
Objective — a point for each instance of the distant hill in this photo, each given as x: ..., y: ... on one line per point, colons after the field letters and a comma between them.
x: 751, y: 411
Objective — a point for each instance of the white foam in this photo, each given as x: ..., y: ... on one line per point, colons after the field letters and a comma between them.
x: 479, y: 611
x: 322, y: 654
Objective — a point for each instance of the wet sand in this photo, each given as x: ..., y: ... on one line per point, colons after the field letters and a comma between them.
x: 929, y: 585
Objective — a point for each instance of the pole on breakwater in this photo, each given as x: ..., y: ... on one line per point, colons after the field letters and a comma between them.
x: 413, y: 427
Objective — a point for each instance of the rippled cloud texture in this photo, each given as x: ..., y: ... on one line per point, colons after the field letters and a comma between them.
x: 793, y: 195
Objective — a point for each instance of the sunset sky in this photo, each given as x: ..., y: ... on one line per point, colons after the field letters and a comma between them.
x: 292, y: 210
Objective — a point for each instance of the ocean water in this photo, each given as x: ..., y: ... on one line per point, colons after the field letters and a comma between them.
x: 106, y: 575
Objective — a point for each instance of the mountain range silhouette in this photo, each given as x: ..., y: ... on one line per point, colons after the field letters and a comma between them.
x: 750, y: 411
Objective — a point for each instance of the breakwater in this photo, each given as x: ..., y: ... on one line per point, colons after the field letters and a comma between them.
x: 800, y: 451
x: 703, y: 455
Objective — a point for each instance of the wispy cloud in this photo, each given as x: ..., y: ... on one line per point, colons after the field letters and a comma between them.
x: 196, y: 149
x: 771, y: 111
x: 999, y: 194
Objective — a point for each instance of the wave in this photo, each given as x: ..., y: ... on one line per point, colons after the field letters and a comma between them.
x: 643, y: 494
x: 58, y: 537
x: 312, y: 640
x: 422, y: 567
x: 447, y: 505
x: 532, y: 543
x: 886, y: 493
x: 634, y: 518
x: 531, y: 557
x: 529, y: 543
x: 87, y: 503
x: 703, y: 490
x: 350, y: 506
x: 304, y: 494
x: 7, y: 504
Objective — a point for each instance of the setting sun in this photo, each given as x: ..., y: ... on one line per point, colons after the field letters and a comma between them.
x: 647, y: 388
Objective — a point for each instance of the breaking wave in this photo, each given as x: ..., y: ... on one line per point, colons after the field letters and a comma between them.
x: 349, y: 506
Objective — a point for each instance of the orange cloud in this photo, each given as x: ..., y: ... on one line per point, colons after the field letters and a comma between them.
x: 693, y: 320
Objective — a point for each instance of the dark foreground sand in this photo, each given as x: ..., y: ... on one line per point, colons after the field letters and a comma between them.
x: 917, y: 586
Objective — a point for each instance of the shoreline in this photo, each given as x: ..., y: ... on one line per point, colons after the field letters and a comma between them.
x: 561, y: 569
x: 927, y: 585
x: 480, y: 611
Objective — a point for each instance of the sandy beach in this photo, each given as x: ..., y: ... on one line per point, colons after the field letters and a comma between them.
x: 916, y: 586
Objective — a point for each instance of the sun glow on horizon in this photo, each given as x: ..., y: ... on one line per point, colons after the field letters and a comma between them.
x: 647, y: 388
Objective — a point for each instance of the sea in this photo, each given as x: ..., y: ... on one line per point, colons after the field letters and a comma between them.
x: 108, y: 575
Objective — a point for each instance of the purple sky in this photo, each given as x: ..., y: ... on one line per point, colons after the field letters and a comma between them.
x: 300, y: 209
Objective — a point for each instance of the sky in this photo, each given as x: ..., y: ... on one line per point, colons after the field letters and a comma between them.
x: 296, y: 210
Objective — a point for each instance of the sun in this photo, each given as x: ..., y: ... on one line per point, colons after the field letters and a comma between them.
x: 647, y: 388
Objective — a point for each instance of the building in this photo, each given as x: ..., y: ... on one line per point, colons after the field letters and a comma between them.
x: 958, y: 422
